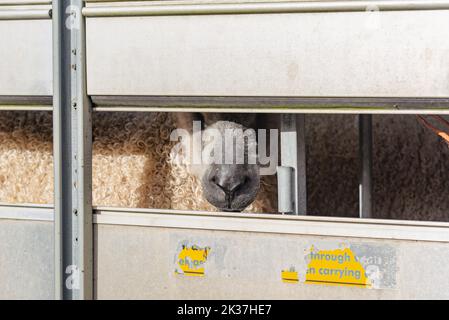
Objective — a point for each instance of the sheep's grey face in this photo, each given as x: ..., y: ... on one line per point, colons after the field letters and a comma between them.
x: 231, y: 177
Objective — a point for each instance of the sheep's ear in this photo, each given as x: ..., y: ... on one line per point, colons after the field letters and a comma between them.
x: 444, y: 135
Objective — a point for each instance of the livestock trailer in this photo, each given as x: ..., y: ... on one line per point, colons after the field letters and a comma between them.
x: 291, y: 59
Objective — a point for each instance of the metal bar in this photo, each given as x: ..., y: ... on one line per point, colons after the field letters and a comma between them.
x: 83, y: 157
x: 25, y: 2
x: 270, y: 110
x: 286, y: 202
x: 301, y: 174
x: 72, y: 155
x: 25, y: 108
x: 143, y: 211
x: 26, y: 100
x: 387, y: 105
x: 366, y: 166
x: 59, y: 115
x: 26, y: 212
x: 330, y: 105
x: 293, y: 156
x: 279, y: 224
x: 26, y: 205
x: 260, y: 8
x: 28, y: 14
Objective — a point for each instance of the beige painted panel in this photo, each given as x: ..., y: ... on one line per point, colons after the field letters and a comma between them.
x: 26, y: 57
x: 26, y: 259
x: 377, y: 54
x: 140, y: 262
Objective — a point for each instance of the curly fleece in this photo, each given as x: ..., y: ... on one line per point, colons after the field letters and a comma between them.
x: 131, y: 163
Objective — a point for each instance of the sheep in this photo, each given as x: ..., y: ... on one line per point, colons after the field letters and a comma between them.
x: 218, y: 180
x: 131, y: 164
x: 26, y: 162
x: 228, y: 168
x: 133, y: 168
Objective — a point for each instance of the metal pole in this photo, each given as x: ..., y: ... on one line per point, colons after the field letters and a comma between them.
x: 72, y: 132
x: 82, y: 155
x: 59, y: 92
x: 293, y: 161
x: 366, y: 165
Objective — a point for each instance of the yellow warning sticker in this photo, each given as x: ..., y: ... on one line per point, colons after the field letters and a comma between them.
x: 338, y: 267
x: 290, y: 276
x: 191, y: 260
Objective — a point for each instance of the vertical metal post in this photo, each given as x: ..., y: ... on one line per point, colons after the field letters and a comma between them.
x: 366, y: 165
x: 293, y: 157
x: 72, y: 137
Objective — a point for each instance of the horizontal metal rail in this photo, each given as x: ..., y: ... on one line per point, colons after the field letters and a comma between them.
x: 26, y: 100
x: 25, y: 108
x: 28, y: 14
x: 270, y: 110
x: 261, y: 7
x: 273, y: 104
x: 25, y: 2
x: 17, y: 211
x: 249, y: 222
x: 26, y: 103
x: 275, y: 223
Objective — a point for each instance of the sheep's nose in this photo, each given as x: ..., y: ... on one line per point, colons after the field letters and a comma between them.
x: 229, y: 183
x: 231, y: 188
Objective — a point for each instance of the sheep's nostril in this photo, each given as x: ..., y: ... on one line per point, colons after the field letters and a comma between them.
x: 240, y: 184
x: 223, y: 186
x: 230, y: 186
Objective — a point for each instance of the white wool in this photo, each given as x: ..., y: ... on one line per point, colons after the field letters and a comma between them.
x: 132, y: 165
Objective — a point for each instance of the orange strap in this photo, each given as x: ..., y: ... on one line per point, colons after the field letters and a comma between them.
x: 444, y: 135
